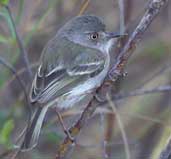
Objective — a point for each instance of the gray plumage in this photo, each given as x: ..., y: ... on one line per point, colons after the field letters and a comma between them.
x: 59, y: 73
x: 73, y: 64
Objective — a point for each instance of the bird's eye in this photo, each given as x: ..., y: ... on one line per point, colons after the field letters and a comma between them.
x: 94, y: 36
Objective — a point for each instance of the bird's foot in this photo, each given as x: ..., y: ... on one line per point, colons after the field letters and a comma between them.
x: 68, y: 134
x: 99, y: 98
x: 65, y: 130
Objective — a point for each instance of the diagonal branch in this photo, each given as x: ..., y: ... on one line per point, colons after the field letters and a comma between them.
x: 121, y: 126
x: 166, y: 153
x: 84, y: 7
x: 152, y: 11
x: 13, y: 71
x: 20, y: 81
x: 20, y: 43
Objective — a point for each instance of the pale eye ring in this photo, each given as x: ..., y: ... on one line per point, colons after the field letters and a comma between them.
x: 94, y: 36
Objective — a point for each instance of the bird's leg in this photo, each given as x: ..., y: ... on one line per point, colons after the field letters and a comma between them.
x: 99, y: 98
x: 68, y: 134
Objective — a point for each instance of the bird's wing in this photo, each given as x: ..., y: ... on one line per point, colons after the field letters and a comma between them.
x: 86, y: 63
x: 56, y: 76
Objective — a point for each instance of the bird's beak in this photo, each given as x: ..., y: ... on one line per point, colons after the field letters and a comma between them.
x: 112, y: 35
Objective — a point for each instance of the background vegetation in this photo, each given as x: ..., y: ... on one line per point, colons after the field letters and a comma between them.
x: 146, y: 119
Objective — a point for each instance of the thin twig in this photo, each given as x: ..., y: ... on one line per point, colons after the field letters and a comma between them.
x: 14, y: 72
x: 166, y: 153
x: 122, y: 15
x: 120, y: 42
x: 120, y: 124
x: 103, y: 142
x: 153, y: 10
x: 159, y: 72
x: 128, y: 5
x: 20, y: 44
x: 84, y: 7
x: 138, y: 92
x: 19, y: 73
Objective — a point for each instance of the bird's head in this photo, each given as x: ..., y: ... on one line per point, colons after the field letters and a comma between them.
x: 89, y: 31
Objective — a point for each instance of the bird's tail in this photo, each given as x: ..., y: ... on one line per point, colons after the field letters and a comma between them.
x: 33, y: 129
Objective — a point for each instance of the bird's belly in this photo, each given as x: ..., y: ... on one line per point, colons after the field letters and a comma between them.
x: 82, y: 91
x: 77, y: 95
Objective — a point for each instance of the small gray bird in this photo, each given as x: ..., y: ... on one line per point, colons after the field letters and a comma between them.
x: 72, y: 65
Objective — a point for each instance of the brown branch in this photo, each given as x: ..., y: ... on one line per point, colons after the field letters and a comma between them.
x: 84, y: 7
x: 6, y: 153
x: 153, y: 10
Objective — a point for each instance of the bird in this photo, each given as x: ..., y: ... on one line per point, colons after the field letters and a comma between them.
x: 73, y: 64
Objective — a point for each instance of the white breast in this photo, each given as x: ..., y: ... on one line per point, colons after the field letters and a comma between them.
x: 80, y: 92
x: 92, y: 83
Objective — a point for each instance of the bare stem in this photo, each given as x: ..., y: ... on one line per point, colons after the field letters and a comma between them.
x: 13, y: 71
x: 152, y: 11
x: 20, y: 44
x: 122, y: 15
x: 138, y: 92
x: 121, y: 126
x: 166, y: 153
x: 84, y: 7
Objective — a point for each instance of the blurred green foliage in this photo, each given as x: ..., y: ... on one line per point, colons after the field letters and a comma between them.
x: 9, y: 41
x: 3, y: 39
x: 142, y: 111
x: 4, y: 2
x: 6, y: 132
x: 156, y: 49
x: 53, y: 137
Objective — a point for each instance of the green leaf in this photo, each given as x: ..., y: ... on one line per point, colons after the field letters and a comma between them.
x: 3, y: 39
x: 53, y: 137
x: 6, y: 132
x: 4, y: 2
